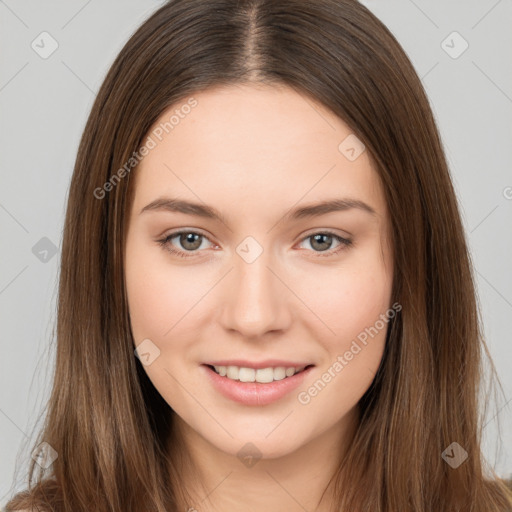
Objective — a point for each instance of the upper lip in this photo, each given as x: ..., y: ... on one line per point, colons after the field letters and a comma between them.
x: 268, y: 363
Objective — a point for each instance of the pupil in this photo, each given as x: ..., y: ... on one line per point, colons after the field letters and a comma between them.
x: 317, y: 237
x: 189, y: 238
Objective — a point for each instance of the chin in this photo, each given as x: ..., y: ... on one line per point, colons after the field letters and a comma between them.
x: 258, y: 443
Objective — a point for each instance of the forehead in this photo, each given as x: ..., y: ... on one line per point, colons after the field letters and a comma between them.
x: 254, y: 148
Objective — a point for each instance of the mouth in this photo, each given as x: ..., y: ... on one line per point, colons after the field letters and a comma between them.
x: 256, y: 386
x: 261, y: 375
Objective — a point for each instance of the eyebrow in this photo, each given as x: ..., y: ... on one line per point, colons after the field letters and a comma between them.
x: 311, y: 210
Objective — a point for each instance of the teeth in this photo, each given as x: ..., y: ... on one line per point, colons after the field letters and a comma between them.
x: 263, y: 375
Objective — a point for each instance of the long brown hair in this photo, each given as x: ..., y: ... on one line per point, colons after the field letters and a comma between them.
x: 106, y: 421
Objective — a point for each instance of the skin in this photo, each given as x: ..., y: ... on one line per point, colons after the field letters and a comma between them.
x: 253, y: 152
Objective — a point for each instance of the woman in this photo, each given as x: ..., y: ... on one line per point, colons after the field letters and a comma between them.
x: 258, y: 369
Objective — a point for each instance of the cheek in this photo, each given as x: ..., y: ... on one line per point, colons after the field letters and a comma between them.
x: 353, y: 303
x: 353, y: 296
x: 161, y: 299
x: 159, y: 294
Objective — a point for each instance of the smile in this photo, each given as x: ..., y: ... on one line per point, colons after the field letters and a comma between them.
x: 251, y: 391
x: 261, y: 375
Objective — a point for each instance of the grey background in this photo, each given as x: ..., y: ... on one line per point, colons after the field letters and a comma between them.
x: 44, y: 105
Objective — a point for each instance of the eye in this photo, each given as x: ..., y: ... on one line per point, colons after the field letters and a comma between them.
x: 321, y: 239
x: 191, y: 241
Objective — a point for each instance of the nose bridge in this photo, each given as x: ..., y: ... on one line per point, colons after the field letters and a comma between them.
x: 254, y: 301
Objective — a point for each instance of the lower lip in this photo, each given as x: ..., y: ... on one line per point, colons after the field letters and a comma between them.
x: 255, y: 393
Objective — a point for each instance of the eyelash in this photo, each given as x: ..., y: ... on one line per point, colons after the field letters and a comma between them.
x: 165, y: 243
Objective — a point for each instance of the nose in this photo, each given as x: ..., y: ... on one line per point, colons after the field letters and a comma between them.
x: 255, y: 298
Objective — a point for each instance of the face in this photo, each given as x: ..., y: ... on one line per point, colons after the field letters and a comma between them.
x: 266, y: 282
